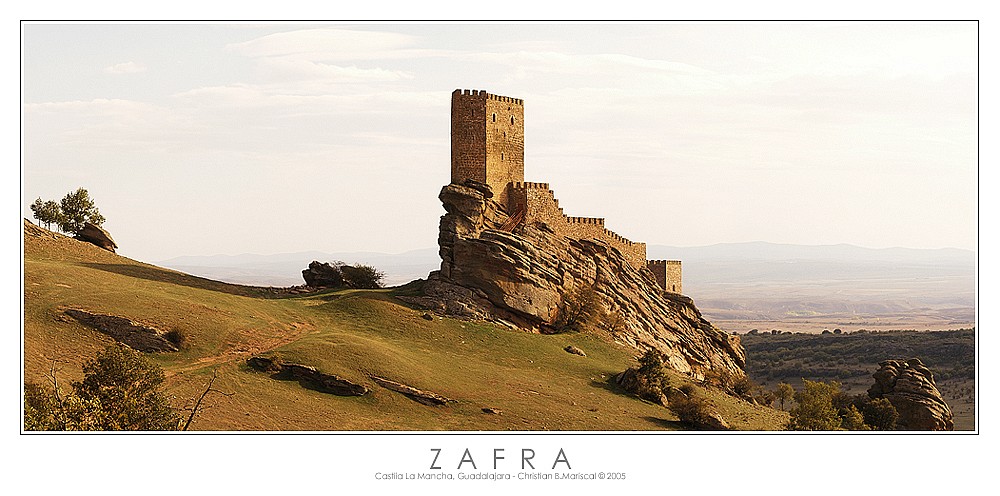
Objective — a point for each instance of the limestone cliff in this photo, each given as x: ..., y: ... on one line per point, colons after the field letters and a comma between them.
x: 496, y: 269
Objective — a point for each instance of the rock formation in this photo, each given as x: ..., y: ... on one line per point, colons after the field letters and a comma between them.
x: 93, y: 233
x: 909, y: 386
x: 135, y: 336
x: 308, y: 377
x: 494, y: 268
x: 420, y: 396
x: 323, y: 275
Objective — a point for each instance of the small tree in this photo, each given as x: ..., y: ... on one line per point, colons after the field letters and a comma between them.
x: 852, y: 420
x: 119, y: 391
x: 784, y: 392
x: 815, y: 410
x: 126, y: 385
x: 46, y: 212
x: 580, y: 306
x: 78, y: 209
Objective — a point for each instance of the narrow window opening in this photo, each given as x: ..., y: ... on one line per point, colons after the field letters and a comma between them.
x: 512, y: 120
x: 494, y: 117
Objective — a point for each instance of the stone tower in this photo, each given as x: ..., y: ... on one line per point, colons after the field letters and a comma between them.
x: 667, y: 273
x: 487, y: 140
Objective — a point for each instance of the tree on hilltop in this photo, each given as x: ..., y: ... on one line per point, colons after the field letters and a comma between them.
x: 46, y: 213
x: 77, y: 210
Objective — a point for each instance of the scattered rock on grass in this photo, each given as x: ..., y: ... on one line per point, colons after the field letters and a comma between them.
x: 308, y: 377
x: 420, y: 396
x: 574, y: 350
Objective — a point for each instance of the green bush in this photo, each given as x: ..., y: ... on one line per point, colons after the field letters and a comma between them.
x: 362, y: 276
x: 119, y: 391
x: 814, y: 410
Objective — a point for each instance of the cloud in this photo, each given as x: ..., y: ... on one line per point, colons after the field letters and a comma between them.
x: 324, y: 45
x: 125, y: 68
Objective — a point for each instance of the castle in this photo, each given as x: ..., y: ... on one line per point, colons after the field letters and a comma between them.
x: 487, y: 145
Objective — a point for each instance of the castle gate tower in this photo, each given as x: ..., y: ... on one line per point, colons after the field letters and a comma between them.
x: 487, y: 140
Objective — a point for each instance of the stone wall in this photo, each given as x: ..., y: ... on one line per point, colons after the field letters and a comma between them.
x: 540, y: 205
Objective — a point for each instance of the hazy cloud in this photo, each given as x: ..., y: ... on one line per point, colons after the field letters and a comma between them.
x: 125, y: 68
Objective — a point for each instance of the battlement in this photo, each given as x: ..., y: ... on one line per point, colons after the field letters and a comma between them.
x: 585, y: 220
x: 528, y: 185
x: 663, y: 262
x: 487, y: 95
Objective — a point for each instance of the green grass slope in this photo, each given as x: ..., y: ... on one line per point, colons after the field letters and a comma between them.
x: 354, y: 334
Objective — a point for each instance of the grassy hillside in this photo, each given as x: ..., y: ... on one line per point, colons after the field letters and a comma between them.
x: 351, y: 333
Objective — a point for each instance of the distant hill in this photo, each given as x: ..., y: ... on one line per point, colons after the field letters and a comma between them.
x: 839, y: 283
x: 733, y: 281
x: 285, y: 269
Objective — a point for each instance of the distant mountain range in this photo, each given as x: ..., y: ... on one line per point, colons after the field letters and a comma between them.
x: 730, y: 281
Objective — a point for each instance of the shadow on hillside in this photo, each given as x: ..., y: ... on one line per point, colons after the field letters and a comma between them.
x: 158, y: 274
x: 611, y: 386
x: 667, y: 424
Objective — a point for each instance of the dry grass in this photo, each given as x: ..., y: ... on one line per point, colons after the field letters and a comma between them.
x: 354, y: 334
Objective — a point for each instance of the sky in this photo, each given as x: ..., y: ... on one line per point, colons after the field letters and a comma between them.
x: 203, y: 139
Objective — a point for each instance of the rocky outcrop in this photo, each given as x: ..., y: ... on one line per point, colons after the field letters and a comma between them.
x: 418, y: 395
x: 93, y: 234
x: 135, y: 336
x: 526, y: 274
x: 323, y: 275
x: 909, y: 386
x: 308, y: 377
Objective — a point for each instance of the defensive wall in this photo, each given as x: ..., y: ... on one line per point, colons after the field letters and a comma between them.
x: 487, y: 145
x: 540, y: 205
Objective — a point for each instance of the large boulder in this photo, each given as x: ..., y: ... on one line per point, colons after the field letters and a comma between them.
x: 323, y: 275
x: 92, y: 233
x: 526, y: 277
x: 909, y: 386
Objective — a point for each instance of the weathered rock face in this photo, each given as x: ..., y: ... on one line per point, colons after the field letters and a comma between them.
x: 92, y: 233
x: 524, y: 277
x: 909, y: 386
x: 322, y: 275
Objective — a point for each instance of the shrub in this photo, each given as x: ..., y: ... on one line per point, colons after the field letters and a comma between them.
x: 694, y: 411
x: 361, y: 276
x: 815, y: 410
x: 580, y: 306
x: 177, y: 337
x: 879, y: 413
x: 651, y: 378
x: 119, y: 391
